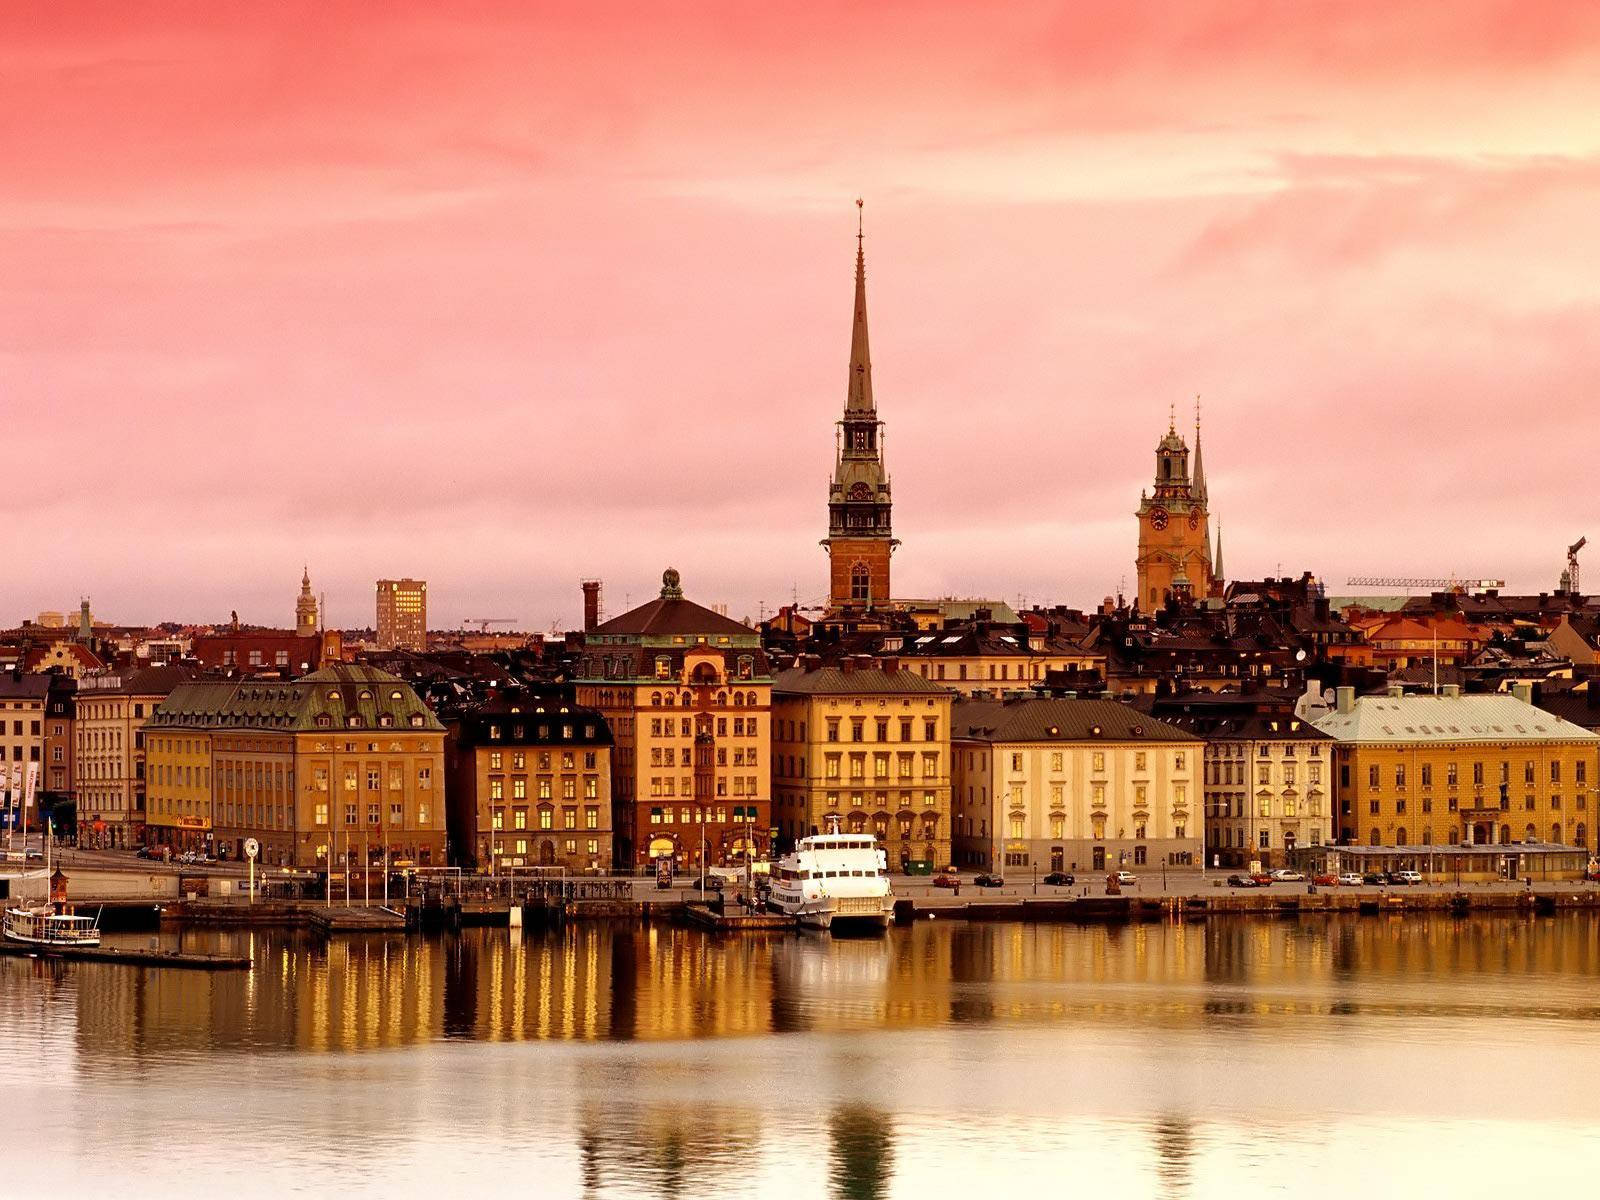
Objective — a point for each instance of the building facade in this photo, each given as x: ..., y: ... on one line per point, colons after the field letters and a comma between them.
x: 860, y: 537
x: 1072, y: 785
x: 1174, y: 558
x: 112, y: 708
x: 60, y: 745
x: 24, y: 701
x: 530, y: 785
x: 402, y: 619
x: 1453, y: 769
x: 343, y: 765
x: 866, y: 744
x: 687, y: 694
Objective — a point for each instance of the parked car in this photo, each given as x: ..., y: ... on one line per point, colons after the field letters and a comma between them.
x: 146, y: 852
x: 1411, y: 878
x: 946, y: 881
x: 1127, y: 878
x: 1262, y: 878
x: 990, y: 881
x: 1374, y: 877
x: 1325, y: 880
x: 1244, y: 881
x: 1060, y: 879
x: 1351, y: 879
x: 1285, y: 875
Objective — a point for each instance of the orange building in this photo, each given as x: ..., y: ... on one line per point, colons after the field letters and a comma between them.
x: 1175, y: 529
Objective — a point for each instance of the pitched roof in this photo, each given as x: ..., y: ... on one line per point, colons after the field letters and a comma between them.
x: 673, y: 617
x: 830, y: 681
x: 1040, y: 720
x: 1488, y: 718
x: 24, y: 687
x: 340, y: 693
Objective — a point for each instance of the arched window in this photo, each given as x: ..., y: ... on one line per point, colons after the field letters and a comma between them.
x: 1455, y: 836
x: 1530, y: 834
x: 1580, y: 835
x: 738, y: 699
x: 1555, y: 834
x: 1400, y: 836
x: 655, y: 699
x: 860, y: 582
x: 688, y: 699
x: 1376, y: 839
x: 1427, y: 837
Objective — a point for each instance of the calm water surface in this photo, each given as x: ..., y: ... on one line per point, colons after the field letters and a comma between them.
x: 1367, y: 1057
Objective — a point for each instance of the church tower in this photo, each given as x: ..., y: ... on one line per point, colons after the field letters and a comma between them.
x: 1175, y: 526
x: 860, y: 538
x: 305, y: 608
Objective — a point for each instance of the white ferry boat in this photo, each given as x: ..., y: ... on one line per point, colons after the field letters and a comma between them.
x: 45, y: 927
x: 834, y: 880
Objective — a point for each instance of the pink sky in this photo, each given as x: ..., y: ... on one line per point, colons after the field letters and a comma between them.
x: 504, y: 295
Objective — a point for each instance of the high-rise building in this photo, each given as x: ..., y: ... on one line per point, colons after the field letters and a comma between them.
x: 860, y: 538
x: 1175, y: 527
x: 403, y: 615
x: 305, y: 608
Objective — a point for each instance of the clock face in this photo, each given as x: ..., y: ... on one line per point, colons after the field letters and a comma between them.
x: 1194, y: 520
x: 1158, y: 518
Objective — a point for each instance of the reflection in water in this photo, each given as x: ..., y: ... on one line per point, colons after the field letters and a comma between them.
x: 610, y: 1060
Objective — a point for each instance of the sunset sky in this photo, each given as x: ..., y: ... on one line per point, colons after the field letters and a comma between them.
x: 504, y: 295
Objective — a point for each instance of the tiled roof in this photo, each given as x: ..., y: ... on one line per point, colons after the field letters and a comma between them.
x: 1489, y: 718
x: 338, y: 693
x: 832, y: 681
x: 26, y: 687
x: 1041, y: 720
x: 673, y: 617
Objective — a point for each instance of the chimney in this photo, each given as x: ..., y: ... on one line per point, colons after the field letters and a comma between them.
x: 1344, y: 699
x: 591, y: 605
x: 85, y: 622
x: 1523, y: 691
x: 891, y: 666
x: 1395, y: 691
x: 1450, y: 690
x: 848, y: 664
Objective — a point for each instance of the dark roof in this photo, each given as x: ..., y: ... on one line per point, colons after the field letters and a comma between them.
x: 1260, y: 727
x: 827, y: 681
x: 25, y: 687
x: 1059, y: 721
x: 673, y: 617
x: 149, y: 681
x: 1581, y: 708
x: 540, y: 723
x: 337, y: 693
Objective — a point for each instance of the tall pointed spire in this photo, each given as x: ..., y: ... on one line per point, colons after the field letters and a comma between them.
x: 1199, y: 460
x: 1217, y: 572
x: 859, y: 397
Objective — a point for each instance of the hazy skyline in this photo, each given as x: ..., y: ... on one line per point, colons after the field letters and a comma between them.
x: 500, y: 297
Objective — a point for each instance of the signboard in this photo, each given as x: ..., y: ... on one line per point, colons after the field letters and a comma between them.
x: 32, y: 788
x: 664, y: 871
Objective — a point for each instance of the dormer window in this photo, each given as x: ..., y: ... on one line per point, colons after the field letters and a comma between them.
x: 416, y: 720
x: 324, y: 720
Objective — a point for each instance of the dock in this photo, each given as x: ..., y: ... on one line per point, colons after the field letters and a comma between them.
x: 703, y: 916
x: 184, y: 959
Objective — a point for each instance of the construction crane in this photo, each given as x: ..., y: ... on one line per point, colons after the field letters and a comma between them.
x: 1569, y: 581
x: 483, y: 623
x: 1452, y: 584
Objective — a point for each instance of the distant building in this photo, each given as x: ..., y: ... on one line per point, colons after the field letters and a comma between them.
x: 258, y: 652
x: 112, y: 708
x: 860, y: 537
x: 1175, y: 558
x: 346, y: 763
x: 1458, y: 769
x: 1072, y: 785
x: 23, y: 730
x: 305, y: 608
x: 530, y: 785
x: 986, y: 655
x: 403, y: 615
x: 687, y: 694
x: 867, y: 743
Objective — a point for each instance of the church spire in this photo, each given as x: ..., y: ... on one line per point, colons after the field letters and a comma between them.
x: 1217, y: 572
x: 1199, y: 460
x: 859, y: 397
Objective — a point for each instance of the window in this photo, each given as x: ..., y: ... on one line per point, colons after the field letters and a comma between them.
x: 1372, y: 776
x: 1264, y: 839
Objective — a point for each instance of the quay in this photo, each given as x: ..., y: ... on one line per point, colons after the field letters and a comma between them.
x: 186, y: 959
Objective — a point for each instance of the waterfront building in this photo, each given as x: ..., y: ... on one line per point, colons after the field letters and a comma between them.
x: 346, y: 763
x: 866, y: 742
x: 1174, y: 559
x: 402, y: 620
x: 687, y: 694
x: 1426, y: 770
x: 61, y: 712
x: 530, y: 785
x: 1074, y: 785
x: 860, y: 537
x: 1267, y: 778
x: 24, y: 700
x: 112, y: 708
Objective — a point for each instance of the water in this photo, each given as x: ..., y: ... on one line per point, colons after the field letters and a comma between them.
x: 1363, y: 1056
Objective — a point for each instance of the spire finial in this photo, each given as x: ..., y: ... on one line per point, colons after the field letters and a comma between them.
x: 860, y: 225
x: 1197, y: 416
x: 1172, y: 418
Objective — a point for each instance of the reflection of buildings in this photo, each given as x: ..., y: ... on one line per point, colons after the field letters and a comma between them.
x: 860, y: 1151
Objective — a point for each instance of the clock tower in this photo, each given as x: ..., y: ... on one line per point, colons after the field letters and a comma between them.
x: 1175, y: 527
x: 860, y: 538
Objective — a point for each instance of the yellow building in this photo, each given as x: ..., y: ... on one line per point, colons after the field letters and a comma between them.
x: 112, y: 708
x: 345, y: 763
x: 687, y: 694
x: 1447, y: 770
x: 178, y: 775
x: 868, y: 743
x: 1072, y: 785
x: 990, y: 656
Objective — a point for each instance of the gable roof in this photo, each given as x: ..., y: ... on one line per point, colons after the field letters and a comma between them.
x: 1041, y: 720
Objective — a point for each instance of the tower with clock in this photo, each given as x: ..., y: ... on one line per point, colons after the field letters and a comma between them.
x: 860, y: 537
x: 1175, y: 526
